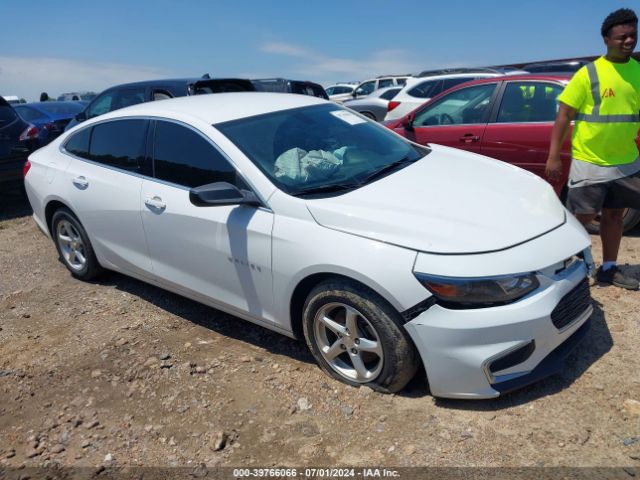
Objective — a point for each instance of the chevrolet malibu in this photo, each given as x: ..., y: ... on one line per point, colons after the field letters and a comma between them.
x: 302, y: 216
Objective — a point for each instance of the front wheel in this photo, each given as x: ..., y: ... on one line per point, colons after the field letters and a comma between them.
x: 357, y: 338
x: 73, y: 245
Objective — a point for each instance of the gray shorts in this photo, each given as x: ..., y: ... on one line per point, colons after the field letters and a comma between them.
x: 618, y: 193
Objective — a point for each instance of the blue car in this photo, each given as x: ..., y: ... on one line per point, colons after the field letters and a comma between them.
x: 50, y: 117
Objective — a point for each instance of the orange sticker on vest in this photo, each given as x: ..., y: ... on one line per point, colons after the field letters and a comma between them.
x: 608, y: 93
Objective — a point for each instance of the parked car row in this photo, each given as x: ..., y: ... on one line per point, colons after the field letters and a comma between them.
x: 51, y: 118
x: 508, y: 118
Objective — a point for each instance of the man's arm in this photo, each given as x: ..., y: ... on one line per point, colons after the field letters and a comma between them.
x: 565, y: 115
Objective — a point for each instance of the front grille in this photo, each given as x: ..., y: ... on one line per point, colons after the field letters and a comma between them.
x: 572, y: 305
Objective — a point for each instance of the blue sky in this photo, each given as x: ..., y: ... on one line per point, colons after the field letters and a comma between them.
x: 60, y: 46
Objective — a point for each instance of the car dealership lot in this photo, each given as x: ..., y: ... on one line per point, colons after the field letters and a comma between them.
x: 123, y: 368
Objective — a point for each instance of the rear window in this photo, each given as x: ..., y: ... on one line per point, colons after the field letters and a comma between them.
x: 310, y: 89
x: 78, y: 143
x: 29, y: 114
x: 278, y: 86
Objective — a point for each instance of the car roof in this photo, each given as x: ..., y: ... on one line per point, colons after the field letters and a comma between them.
x: 42, y: 105
x: 171, y: 81
x: 558, y: 77
x: 219, y: 107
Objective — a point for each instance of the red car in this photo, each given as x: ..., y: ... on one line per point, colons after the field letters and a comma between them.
x: 508, y: 118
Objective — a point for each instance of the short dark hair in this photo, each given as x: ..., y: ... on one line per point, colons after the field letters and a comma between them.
x: 621, y: 16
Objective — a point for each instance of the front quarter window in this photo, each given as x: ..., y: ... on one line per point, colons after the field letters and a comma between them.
x: 322, y: 147
x: 101, y: 105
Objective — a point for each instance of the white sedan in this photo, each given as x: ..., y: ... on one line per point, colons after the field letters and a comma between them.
x: 301, y: 216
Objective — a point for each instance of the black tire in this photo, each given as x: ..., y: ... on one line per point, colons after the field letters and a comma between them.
x: 379, y: 327
x: 64, y: 224
x: 631, y: 219
x: 369, y: 115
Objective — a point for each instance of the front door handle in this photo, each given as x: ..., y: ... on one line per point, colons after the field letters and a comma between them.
x: 81, y: 182
x: 469, y: 138
x: 155, y: 203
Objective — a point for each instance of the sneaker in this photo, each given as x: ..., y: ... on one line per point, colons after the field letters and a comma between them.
x: 613, y: 276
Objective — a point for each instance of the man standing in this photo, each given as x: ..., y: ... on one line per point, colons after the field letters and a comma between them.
x: 604, y: 100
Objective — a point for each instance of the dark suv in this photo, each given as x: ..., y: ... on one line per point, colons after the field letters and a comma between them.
x: 283, y: 85
x: 128, y: 94
x: 17, y: 140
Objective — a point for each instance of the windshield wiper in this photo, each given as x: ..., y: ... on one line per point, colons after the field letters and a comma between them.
x: 386, y: 169
x: 338, y: 187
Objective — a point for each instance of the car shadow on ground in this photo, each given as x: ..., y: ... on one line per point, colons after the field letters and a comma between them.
x: 594, y: 346
x: 210, y: 318
x: 597, y: 342
x: 13, y: 203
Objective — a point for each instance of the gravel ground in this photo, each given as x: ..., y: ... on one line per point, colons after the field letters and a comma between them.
x: 121, y: 373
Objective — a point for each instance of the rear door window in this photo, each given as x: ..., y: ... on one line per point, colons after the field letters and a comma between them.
x: 184, y: 157
x: 525, y: 102
x: 120, y: 144
x: 130, y: 96
x: 426, y: 89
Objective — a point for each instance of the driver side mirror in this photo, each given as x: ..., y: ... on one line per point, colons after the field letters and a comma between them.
x: 220, y: 194
x: 82, y: 116
x: 407, y: 123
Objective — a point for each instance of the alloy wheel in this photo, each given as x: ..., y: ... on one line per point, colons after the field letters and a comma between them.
x: 348, y: 342
x: 71, y: 245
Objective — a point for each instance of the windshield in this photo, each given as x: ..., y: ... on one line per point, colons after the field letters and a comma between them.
x: 319, y: 148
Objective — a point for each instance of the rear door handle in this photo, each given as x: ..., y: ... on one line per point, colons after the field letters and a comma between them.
x: 155, y: 203
x: 81, y: 182
x: 469, y: 138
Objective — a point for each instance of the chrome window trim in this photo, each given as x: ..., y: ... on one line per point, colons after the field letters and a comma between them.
x: 522, y: 123
x: 154, y: 179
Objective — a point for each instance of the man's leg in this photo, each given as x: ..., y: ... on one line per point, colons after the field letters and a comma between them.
x: 611, y: 227
x: 611, y: 232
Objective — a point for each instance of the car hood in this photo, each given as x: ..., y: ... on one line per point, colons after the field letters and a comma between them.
x: 450, y: 202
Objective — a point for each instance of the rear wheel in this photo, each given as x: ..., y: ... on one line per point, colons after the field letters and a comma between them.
x: 73, y: 245
x: 369, y: 115
x: 357, y: 338
x: 629, y: 221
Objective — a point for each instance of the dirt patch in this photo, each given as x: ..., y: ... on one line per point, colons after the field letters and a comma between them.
x: 118, y: 372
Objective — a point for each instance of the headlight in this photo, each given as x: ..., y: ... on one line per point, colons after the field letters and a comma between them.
x: 478, y: 292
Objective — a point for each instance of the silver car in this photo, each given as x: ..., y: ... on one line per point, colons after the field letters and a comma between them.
x: 375, y: 104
